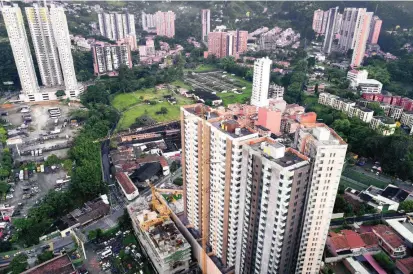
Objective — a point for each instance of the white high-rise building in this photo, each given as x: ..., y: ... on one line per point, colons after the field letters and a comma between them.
x: 117, y: 26
x: 16, y: 32
x: 261, y: 82
x: 327, y: 152
x: 61, y: 34
x: 148, y: 22
x: 330, y: 29
x: 206, y: 24
x: 350, y: 27
x: 44, y: 44
x: 274, y: 187
x: 212, y: 148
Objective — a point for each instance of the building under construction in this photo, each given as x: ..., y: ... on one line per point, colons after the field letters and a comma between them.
x: 167, y: 248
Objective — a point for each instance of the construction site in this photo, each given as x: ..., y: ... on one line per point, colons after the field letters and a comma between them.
x: 160, y: 238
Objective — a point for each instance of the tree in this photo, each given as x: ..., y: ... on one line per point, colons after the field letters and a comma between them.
x: 52, y: 160
x: 124, y: 221
x: 384, y: 261
x: 60, y: 93
x: 163, y: 110
x: 407, y: 206
x: 379, y: 73
x: 311, y: 62
x: 375, y: 106
x: 174, y: 166
x: 18, y: 264
x: 44, y: 257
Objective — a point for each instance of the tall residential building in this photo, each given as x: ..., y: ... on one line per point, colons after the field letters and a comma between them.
x: 116, y: 26
x: 261, y: 82
x: 350, y: 28
x: 361, y: 36
x: 318, y: 21
x: 107, y: 58
x: 212, y: 148
x: 327, y: 152
x: 375, y: 29
x: 165, y: 23
x: 330, y: 29
x: 274, y: 182
x: 339, y: 22
x: 16, y: 32
x: 44, y: 44
x: 148, y: 22
x: 61, y: 34
x: 324, y: 24
x: 230, y: 43
x: 206, y: 24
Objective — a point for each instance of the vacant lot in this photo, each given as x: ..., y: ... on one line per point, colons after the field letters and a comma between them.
x: 216, y: 82
x: 135, y: 104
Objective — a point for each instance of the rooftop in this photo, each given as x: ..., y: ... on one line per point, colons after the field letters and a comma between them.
x: 402, y: 227
x: 90, y: 211
x: 278, y: 153
x: 385, y: 120
x: 388, y: 235
x: 394, y: 193
x: 370, y: 82
x: 363, y: 109
x: 60, y: 264
x: 322, y: 134
x: 407, y: 263
x: 125, y: 182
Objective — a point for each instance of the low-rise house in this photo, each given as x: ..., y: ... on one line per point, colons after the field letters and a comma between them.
x: 128, y: 187
x: 385, y: 125
x: 60, y: 264
x: 364, y: 114
x: 390, y: 241
x: 404, y: 228
x: 405, y: 265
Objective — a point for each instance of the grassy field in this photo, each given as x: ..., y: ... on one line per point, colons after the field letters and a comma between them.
x: 132, y: 105
x: 231, y: 98
x: 364, y: 179
x: 204, y: 68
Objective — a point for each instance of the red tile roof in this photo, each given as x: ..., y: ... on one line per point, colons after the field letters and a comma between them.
x: 60, y: 264
x: 125, y: 182
x: 353, y: 239
x: 369, y: 238
x: 407, y: 263
x: 153, y: 158
x: 388, y: 235
x: 339, y: 242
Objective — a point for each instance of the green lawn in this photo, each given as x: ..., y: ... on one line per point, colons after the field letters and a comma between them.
x: 123, y: 101
x: 364, y: 179
x: 205, y: 68
x: 231, y: 98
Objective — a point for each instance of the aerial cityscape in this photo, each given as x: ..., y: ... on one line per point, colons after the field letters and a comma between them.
x: 210, y: 137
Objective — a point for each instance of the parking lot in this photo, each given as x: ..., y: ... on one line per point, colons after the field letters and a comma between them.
x: 38, y: 131
x: 116, y: 253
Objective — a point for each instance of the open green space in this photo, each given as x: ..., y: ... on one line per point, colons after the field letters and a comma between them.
x: 232, y: 98
x: 347, y: 183
x: 205, y: 68
x: 364, y: 179
x: 134, y: 104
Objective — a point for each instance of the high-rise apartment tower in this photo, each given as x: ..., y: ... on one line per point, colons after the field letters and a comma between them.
x: 261, y: 82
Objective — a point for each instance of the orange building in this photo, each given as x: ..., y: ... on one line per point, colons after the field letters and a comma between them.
x: 270, y: 118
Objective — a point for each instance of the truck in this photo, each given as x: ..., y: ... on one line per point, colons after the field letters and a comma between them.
x: 41, y: 168
x: 21, y: 175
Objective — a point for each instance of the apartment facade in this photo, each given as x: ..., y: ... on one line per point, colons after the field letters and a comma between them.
x: 61, y: 34
x: 261, y: 82
x: 117, y: 26
x: 375, y: 28
x: 230, y: 43
x: 274, y: 184
x: 206, y: 24
x: 384, y: 125
x: 44, y: 44
x: 318, y: 21
x: 363, y: 113
x: 352, y: 20
x: 108, y: 58
x: 362, y: 35
x: 148, y: 22
x: 212, y: 148
x: 165, y: 23
x: 330, y: 29
x: 16, y: 32
x: 327, y: 152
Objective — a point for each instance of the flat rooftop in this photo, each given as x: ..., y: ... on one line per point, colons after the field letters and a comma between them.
x: 385, y: 120
x: 276, y: 152
x: 322, y: 133
x: 363, y: 109
x: 60, y: 264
